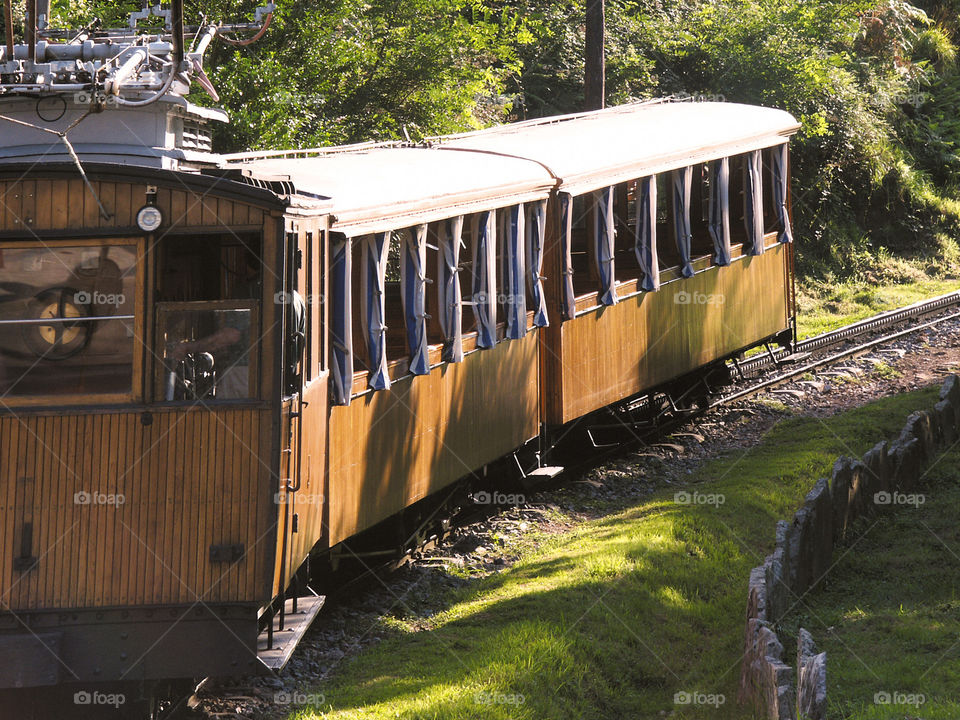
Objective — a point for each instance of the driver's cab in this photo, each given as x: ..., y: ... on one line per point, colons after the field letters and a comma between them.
x: 208, y: 325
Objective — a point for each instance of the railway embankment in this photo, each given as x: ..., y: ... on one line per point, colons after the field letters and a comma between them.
x: 886, y: 478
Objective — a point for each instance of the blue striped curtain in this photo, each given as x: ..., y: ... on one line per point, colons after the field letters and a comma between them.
x: 778, y: 167
x: 413, y: 285
x: 373, y: 282
x: 720, y: 210
x: 604, y: 234
x: 569, y: 298
x: 341, y: 327
x: 682, y: 179
x: 536, y: 224
x: 514, y: 273
x: 753, y: 201
x: 483, y: 287
x: 645, y: 236
x: 448, y: 288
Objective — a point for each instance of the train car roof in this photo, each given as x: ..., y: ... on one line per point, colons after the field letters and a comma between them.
x: 378, y: 189
x: 383, y: 187
x: 588, y: 151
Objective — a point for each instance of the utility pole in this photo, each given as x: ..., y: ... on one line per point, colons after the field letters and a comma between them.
x: 594, y: 75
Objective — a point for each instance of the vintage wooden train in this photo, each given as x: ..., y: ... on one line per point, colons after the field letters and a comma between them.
x: 213, y: 367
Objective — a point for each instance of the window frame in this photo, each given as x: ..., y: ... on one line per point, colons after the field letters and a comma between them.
x: 135, y: 395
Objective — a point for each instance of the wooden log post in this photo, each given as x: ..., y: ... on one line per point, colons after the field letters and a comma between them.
x: 594, y: 76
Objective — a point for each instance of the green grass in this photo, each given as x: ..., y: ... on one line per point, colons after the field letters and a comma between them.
x: 893, y: 603
x: 825, y: 308
x: 613, y: 618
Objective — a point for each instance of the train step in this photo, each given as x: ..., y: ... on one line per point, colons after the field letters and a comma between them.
x: 295, y: 625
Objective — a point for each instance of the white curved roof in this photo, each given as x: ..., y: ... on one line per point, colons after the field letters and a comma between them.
x: 381, y: 189
x: 593, y: 150
x: 378, y: 188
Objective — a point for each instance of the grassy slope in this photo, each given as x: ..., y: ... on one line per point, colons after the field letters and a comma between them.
x: 896, y: 615
x: 615, y: 617
x: 828, y: 308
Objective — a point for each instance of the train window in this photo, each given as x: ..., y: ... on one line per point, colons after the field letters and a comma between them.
x: 208, y: 350
x: 214, y: 267
x: 67, y: 319
x: 207, y: 317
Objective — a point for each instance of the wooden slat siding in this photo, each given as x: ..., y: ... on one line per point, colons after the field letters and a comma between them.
x: 650, y: 338
x: 313, y: 452
x: 98, y: 563
x: 391, y: 448
x: 43, y: 204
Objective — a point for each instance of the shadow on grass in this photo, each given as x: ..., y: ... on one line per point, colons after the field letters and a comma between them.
x: 619, y: 618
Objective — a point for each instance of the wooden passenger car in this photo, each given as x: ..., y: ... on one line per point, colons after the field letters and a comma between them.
x: 313, y: 341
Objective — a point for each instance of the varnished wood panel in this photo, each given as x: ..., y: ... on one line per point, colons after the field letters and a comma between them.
x: 611, y: 353
x: 190, y: 479
x: 42, y: 204
x: 389, y: 449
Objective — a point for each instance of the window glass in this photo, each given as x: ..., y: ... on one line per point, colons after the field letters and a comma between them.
x: 67, y: 320
x: 206, y: 351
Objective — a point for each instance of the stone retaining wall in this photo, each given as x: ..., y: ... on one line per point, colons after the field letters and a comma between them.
x: 804, y: 550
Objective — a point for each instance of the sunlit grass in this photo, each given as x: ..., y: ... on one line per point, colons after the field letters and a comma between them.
x: 893, y: 610
x: 613, y: 618
x: 825, y: 308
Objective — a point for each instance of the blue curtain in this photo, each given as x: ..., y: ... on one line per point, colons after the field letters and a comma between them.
x: 682, y: 179
x: 536, y: 224
x: 645, y: 236
x: 779, y: 166
x: 720, y: 210
x: 604, y: 234
x: 514, y: 263
x: 448, y: 288
x: 483, y: 287
x: 569, y: 298
x: 341, y: 328
x: 753, y: 201
x: 373, y: 313
x: 413, y: 285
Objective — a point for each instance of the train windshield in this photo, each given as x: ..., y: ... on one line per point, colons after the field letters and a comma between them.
x: 67, y: 319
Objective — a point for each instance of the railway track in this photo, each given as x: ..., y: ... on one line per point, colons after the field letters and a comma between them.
x: 761, y: 373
